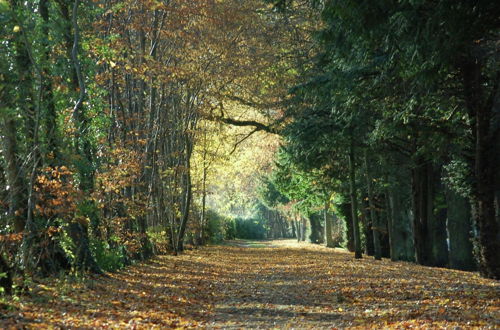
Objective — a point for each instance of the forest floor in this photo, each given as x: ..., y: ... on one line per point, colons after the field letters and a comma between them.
x: 265, y: 284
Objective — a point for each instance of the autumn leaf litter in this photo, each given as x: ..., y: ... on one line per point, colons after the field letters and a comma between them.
x: 277, y: 284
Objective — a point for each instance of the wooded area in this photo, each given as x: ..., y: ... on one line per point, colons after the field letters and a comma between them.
x: 137, y: 128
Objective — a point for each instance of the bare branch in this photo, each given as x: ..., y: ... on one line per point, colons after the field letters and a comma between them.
x: 252, y: 123
x: 240, y: 141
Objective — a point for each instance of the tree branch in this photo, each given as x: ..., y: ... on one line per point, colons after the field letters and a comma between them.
x: 240, y: 141
x: 242, y: 123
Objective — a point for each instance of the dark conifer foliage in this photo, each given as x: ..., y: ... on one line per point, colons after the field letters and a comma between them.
x: 403, y: 96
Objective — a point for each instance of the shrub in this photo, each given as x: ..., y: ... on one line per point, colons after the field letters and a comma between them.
x: 250, y: 228
x: 109, y: 259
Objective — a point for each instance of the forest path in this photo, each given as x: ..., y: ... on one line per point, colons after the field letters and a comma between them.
x: 284, y: 284
x: 272, y: 284
x: 265, y: 284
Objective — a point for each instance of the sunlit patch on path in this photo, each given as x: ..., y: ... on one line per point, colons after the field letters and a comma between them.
x: 278, y: 284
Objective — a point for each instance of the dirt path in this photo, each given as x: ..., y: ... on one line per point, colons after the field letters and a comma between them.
x: 276, y: 284
x: 271, y: 289
x: 286, y: 285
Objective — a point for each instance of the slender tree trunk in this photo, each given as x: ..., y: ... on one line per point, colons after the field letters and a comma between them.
x: 299, y: 229
x: 294, y: 231
x: 24, y: 100
x: 367, y: 230
x: 437, y: 223
x: 422, y: 197
x: 84, y: 148
x: 24, y: 68
x: 460, y: 230
x: 390, y: 226
x: 354, y: 201
x: 495, y: 161
x: 286, y: 226
x: 303, y: 229
x: 203, y: 203
x: 347, y: 212
x: 185, y: 216
x: 50, y: 116
x: 15, y: 193
x: 402, y: 242
x: 328, y: 226
x: 14, y: 175
x: 373, y: 214
x: 188, y: 195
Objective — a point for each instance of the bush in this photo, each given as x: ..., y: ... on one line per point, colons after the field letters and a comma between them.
x: 230, y: 229
x: 107, y: 258
x: 250, y: 228
x: 218, y: 227
x: 157, y: 236
x: 221, y: 228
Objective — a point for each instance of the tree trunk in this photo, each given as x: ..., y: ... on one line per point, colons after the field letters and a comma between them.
x: 347, y: 213
x: 460, y: 231
x: 50, y: 116
x: 337, y: 230
x: 83, y: 257
x: 484, y: 116
x: 14, y: 176
x: 437, y: 225
x: 328, y: 227
x: 373, y: 214
x: 286, y: 226
x: 315, y: 235
x: 354, y: 201
x: 367, y: 230
x: 303, y: 229
x: 298, y: 224
x: 402, y: 246
x: 203, y: 201
x: 390, y: 226
x: 422, y: 197
x: 24, y: 68
x: 188, y: 192
x: 383, y: 228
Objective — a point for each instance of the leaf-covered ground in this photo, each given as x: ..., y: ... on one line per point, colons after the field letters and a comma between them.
x: 278, y: 284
